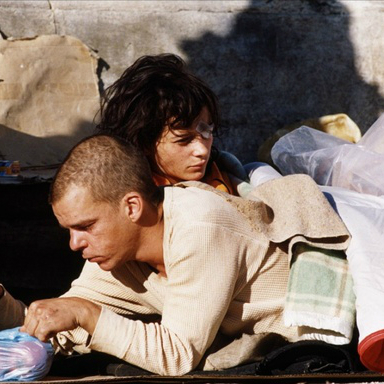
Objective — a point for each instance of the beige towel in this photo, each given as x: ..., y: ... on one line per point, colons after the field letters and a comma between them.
x: 291, y: 208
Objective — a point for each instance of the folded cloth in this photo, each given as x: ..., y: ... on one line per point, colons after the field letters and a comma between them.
x: 320, y: 293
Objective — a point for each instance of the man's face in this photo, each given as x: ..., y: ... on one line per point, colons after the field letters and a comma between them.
x: 102, y: 232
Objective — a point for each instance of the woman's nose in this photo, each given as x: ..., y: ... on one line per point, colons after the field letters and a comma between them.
x: 201, y: 147
x: 77, y: 241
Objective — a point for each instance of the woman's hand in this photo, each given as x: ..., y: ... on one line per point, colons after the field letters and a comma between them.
x: 46, y: 318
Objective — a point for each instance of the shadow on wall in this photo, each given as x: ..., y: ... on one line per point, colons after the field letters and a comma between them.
x: 33, y: 150
x: 290, y: 63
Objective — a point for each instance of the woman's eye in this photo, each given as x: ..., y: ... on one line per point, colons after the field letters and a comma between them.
x: 185, y: 140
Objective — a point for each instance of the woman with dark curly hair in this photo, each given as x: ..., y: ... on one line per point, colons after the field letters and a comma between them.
x: 171, y: 115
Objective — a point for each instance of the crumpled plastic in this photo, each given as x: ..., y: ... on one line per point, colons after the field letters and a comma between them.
x: 23, y: 357
x: 331, y: 161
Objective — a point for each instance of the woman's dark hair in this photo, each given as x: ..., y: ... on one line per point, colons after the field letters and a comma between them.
x: 153, y: 92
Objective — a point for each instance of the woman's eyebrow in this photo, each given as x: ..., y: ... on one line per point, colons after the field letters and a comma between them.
x: 183, y: 134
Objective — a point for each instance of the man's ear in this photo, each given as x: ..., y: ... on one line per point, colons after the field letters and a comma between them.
x: 133, y: 206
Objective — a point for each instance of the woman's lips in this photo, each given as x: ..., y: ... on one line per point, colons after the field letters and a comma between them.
x: 199, y: 165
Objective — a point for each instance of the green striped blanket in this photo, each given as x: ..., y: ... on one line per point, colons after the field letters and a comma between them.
x: 320, y: 294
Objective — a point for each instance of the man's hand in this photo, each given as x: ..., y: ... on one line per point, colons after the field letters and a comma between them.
x: 45, y: 318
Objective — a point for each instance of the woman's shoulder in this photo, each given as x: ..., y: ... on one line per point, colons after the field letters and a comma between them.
x: 224, y: 172
x: 229, y: 163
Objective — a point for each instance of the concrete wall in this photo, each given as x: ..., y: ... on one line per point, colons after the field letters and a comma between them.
x: 271, y: 62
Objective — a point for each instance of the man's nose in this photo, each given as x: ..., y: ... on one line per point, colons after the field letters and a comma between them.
x: 77, y: 241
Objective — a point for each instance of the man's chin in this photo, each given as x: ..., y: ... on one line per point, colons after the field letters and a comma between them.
x: 103, y: 264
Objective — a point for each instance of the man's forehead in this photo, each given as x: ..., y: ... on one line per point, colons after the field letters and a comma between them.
x: 76, y: 191
x: 75, y: 200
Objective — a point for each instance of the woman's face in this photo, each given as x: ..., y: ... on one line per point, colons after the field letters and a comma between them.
x: 183, y: 155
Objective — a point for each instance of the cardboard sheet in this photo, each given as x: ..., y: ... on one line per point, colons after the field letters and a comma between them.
x: 48, y: 98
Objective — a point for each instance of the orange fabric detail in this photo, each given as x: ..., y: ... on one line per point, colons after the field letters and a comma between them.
x: 219, y: 180
x: 216, y: 178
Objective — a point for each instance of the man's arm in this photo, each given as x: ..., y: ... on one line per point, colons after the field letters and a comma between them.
x: 46, y: 318
x: 194, y: 306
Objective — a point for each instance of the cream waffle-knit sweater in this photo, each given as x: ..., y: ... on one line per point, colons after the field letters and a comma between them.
x: 224, y: 274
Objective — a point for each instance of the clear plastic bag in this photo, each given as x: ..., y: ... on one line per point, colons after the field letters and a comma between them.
x: 332, y: 161
x: 23, y: 357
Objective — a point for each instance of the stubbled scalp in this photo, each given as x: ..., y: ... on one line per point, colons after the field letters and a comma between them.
x: 108, y: 167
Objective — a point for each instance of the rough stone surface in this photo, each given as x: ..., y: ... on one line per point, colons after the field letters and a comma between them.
x: 271, y: 62
x: 48, y: 97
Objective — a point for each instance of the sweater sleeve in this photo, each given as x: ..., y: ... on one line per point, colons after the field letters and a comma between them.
x: 12, y: 311
x: 126, y: 298
x: 202, y: 275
